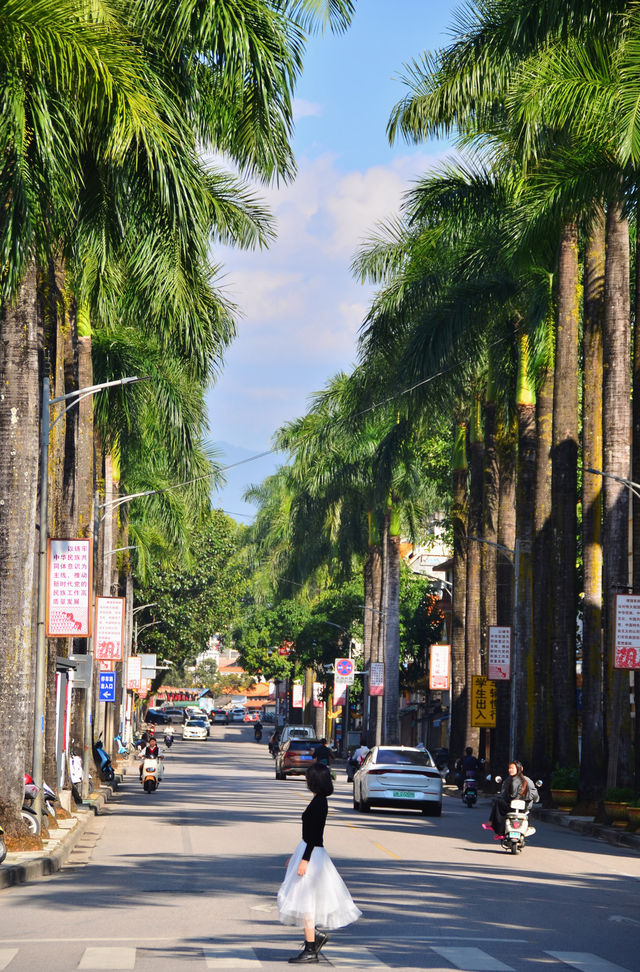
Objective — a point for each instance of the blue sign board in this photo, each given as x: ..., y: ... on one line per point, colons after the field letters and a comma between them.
x: 107, y: 686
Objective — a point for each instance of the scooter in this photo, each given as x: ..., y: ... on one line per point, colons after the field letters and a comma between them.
x: 151, y: 773
x: 257, y: 733
x: 103, y: 761
x: 3, y: 846
x: 123, y: 749
x: 168, y: 739
x: 470, y: 789
x: 29, y: 817
x: 516, y: 827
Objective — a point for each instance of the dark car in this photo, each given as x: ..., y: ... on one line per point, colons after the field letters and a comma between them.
x: 157, y: 718
x: 294, y: 757
x: 176, y: 715
x: 219, y: 716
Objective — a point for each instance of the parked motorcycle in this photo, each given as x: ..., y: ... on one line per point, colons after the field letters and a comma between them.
x: 103, y: 761
x: 123, y: 748
x: 3, y: 846
x: 470, y: 789
x: 151, y: 773
x: 29, y: 816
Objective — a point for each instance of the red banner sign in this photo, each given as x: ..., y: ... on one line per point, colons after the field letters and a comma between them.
x: 69, y: 580
x: 109, y: 637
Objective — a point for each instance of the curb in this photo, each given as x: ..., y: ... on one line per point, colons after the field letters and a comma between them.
x: 48, y: 862
x: 588, y: 828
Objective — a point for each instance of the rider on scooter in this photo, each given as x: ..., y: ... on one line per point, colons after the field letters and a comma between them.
x: 151, y: 751
x: 515, y: 787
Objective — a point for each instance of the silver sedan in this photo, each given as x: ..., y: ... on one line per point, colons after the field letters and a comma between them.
x: 398, y: 776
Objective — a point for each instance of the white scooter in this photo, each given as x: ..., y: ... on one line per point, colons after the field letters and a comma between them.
x: 516, y: 827
x: 152, y: 773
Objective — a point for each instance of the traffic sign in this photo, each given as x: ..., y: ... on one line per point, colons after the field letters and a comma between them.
x: 344, y: 669
x: 107, y: 686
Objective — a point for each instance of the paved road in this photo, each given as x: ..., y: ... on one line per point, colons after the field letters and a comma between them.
x: 184, y: 880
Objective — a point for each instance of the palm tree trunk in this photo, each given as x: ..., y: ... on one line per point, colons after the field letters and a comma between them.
x: 490, y: 513
x: 564, y: 462
x: 392, y: 628
x: 616, y: 429
x: 366, y: 636
x: 592, y: 768
x: 635, y: 459
x: 506, y: 437
x: 540, y: 737
x: 474, y: 560
x: 522, y: 672
x: 459, y: 700
x: 20, y: 346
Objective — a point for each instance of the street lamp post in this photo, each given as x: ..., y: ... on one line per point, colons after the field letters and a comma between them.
x: 73, y: 398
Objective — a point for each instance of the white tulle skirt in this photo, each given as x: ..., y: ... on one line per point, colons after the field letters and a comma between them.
x: 320, y: 896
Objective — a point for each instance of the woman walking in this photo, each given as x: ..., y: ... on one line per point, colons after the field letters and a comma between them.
x: 313, y: 893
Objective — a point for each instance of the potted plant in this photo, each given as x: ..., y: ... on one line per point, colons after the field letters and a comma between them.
x: 616, y: 801
x: 633, y: 815
x: 564, y: 787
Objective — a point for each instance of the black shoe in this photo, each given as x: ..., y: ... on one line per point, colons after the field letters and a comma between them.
x: 307, y: 955
x: 321, y: 939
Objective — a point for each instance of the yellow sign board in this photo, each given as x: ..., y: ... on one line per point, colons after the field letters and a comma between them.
x: 483, y: 702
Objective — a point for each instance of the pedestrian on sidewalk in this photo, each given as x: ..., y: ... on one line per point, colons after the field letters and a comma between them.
x: 313, y: 893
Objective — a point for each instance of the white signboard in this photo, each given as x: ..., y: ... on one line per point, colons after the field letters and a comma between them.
x: 296, y: 695
x: 499, y: 653
x: 133, y: 673
x: 69, y: 580
x: 626, y: 648
x: 317, y: 695
x: 109, y: 635
x: 339, y: 694
x: 376, y: 678
x: 439, y: 667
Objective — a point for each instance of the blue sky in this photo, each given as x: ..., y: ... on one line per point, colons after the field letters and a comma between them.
x: 300, y: 307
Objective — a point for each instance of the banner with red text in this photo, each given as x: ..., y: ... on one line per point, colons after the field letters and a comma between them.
x: 439, y: 667
x: 109, y: 634
x: 69, y: 579
x: 626, y: 648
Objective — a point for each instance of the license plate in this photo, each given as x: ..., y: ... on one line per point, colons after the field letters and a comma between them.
x: 305, y: 757
x: 403, y: 794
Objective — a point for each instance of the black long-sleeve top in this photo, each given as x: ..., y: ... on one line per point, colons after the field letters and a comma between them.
x: 313, y: 821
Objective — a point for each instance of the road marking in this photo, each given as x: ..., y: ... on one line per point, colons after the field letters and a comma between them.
x: 386, y: 851
x: 586, y: 962
x: 108, y: 958
x: 230, y: 957
x: 472, y: 960
x: 6, y: 956
x: 344, y: 958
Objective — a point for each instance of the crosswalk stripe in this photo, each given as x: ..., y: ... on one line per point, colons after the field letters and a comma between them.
x: 472, y: 959
x: 6, y: 956
x: 237, y: 956
x: 108, y: 958
x: 586, y: 962
x: 350, y: 958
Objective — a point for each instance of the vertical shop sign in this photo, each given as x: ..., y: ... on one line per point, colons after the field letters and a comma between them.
x: 69, y: 570
x: 483, y: 702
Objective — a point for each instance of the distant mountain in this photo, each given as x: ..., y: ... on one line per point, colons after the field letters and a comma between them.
x: 245, y: 471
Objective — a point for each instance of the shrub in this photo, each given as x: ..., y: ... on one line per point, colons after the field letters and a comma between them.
x: 619, y: 794
x: 565, y: 778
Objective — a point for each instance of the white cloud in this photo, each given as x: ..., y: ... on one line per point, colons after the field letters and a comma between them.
x: 306, y: 109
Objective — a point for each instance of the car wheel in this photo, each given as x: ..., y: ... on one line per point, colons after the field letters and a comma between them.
x: 432, y: 810
x: 356, y: 803
x: 365, y: 806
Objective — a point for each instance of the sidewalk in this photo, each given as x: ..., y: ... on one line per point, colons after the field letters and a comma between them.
x: 582, y: 825
x: 18, y: 868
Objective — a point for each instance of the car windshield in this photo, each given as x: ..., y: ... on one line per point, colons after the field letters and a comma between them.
x: 197, y: 722
x: 405, y: 757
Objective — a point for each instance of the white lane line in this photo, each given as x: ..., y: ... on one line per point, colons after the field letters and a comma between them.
x: 108, y: 958
x: 586, y: 962
x: 472, y: 959
x: 231, y: 957
x: 6, y: 956
x: 344, y: 958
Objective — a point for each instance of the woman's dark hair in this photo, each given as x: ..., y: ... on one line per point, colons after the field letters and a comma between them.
x: 319, y: 780
x: 524, y: 786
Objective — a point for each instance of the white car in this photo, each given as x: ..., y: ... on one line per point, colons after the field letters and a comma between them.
x: 398, y: 776
x: 194, y: 729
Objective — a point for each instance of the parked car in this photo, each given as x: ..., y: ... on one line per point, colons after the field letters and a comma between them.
x: 398, y: 776
x: 157, y: 717
x: 219, y: 717
x: 176, y: 716
x: 297, y: 732
x: 195, y: 729
x: 295, y: 757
